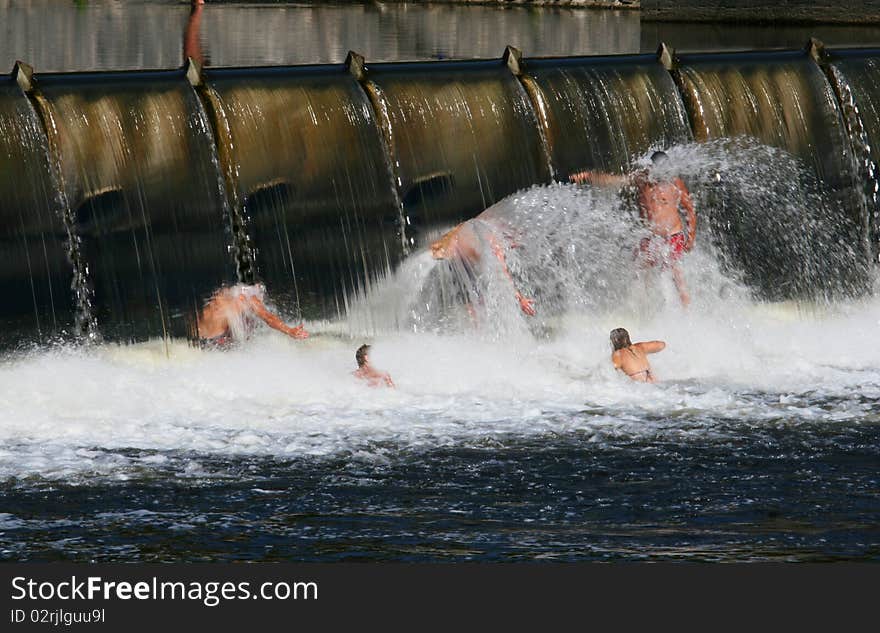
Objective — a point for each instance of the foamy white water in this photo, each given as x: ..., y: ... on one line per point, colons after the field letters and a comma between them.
x: 108, y: 411
x: 118, y: 412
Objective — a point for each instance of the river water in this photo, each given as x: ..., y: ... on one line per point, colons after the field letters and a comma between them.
x: 761, y: 443
x: 507, y: 438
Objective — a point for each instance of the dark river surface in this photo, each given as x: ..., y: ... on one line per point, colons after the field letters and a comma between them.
x: 760, y: 492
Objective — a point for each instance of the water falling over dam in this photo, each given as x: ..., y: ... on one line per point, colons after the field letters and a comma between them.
x: 36, y: 276
x: 127, y: 198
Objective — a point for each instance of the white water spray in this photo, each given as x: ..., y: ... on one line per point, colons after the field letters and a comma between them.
x: 118, y: 412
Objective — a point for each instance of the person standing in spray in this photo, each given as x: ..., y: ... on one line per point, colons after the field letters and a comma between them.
x: 660, y: 198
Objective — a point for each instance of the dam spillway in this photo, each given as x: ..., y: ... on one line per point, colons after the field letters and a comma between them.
x: 35, y: 277
x: 136, y: 161
x: 856, y: 78
x: 598, y: 113
x: 307, y: 171
x: 128, y: 197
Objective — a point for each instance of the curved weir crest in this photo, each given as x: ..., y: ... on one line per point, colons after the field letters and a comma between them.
x: 463, y: 137
x: 323, y: 180
x: 602, y: 113
x: 138, y: 171
x: 783, y: 100
x: 310, y: 175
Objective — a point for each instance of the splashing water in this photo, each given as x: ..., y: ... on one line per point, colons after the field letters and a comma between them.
x: 286, y: 398
x: 516, y: 426
x: 773, y: 224
x: 767, y: 231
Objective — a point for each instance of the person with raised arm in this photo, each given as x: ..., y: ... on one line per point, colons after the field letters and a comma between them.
x: 232, y: 313
x: 632, y: 358
x: 462, y: 243
x: 660, y: 199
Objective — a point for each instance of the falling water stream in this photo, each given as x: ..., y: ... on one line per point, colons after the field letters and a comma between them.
x: 508, y: 437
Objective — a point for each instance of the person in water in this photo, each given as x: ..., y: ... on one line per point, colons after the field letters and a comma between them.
x: 232, y: 311
x: 659, y: 202
x: 366, y: 371
x: 632, y: 358
x: 462, y: 244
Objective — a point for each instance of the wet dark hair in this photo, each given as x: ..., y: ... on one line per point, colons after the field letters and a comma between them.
x: 361, y: 354
x: 659, y: 157
x: 620, y: 339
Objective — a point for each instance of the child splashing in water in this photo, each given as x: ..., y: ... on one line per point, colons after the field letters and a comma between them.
x: 632, y: 358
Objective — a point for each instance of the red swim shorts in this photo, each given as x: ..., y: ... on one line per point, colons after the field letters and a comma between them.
x: 662, y: 251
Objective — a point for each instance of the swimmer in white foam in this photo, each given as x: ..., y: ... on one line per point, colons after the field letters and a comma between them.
x: 632, y: 358
x: 231, y: 314
x: 366, y: 371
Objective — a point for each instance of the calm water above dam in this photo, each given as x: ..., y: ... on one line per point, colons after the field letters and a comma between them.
x: 106, y: 35
x: 508, y: 437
